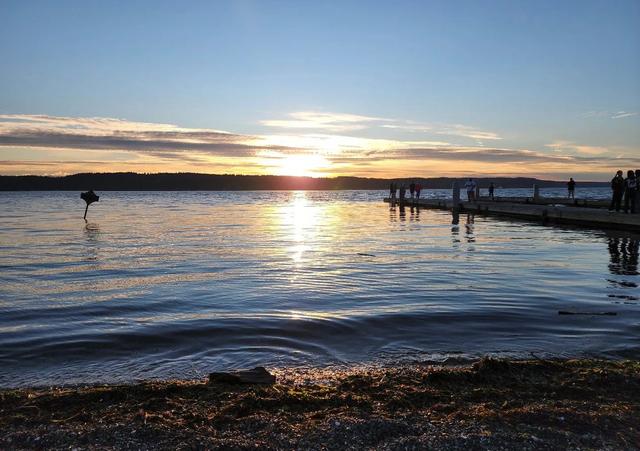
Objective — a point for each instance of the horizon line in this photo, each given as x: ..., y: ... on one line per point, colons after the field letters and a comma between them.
x: 308, y: 177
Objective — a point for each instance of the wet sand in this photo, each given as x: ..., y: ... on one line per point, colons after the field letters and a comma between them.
x: 492, y: 404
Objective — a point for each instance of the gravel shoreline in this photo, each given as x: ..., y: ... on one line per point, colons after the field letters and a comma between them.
x: 492, y: 404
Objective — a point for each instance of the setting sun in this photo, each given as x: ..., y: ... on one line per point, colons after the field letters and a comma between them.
x: 301, y: 165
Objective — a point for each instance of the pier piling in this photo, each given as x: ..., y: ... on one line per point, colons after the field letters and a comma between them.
x: 456, y: 195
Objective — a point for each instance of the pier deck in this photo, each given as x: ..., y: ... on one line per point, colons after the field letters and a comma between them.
x: 542, y: 211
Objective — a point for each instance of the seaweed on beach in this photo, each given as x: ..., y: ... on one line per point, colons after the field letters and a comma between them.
x: 537, y: 404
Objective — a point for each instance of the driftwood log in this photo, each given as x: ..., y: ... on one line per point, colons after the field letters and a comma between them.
x: 258, y: 375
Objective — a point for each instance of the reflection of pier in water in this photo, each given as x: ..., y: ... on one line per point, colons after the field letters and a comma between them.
x: 414, y: 213
x: 624, y: 250
x: 623, y: 261
x: 469, y: 226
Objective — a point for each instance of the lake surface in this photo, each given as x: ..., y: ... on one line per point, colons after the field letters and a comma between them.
x: 177, y: 284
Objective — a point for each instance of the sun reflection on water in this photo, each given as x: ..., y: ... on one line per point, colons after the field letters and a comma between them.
x: 301, y: 219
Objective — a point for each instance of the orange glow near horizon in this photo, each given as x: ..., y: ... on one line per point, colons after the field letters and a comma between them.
x: 309, y: 166
x: 66, y: 145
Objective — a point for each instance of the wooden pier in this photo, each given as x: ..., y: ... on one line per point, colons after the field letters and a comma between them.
x: 586, y: 213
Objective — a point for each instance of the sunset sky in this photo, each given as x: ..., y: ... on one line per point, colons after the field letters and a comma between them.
x: 324, y: 88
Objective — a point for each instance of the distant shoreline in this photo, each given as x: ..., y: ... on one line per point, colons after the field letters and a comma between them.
x: 211, y: 182
x: 550, y: 404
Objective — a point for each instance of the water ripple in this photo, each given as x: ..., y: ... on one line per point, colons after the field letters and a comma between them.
x: 178, y: 284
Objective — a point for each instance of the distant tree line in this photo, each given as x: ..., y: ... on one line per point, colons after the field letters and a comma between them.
x: 130, y: 181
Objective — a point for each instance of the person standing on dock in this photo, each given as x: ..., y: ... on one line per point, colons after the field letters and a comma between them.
x: 403, y: 191
x: 470, y: 185
x: 412, y: 189
x: 617, y: 189
x: 630, y: 192
x: 392, y: 192
x: 418, y: 189
x: 491, y: 190
x: 571, y: 187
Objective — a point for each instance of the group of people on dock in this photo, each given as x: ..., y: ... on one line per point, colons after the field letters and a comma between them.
x: 414, y: 191
x: 399, y: 192
x: 627, y: 190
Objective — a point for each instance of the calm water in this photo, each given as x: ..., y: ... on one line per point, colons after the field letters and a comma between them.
x: 166, y: 284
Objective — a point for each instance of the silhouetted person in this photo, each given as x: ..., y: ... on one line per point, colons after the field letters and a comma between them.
x: 403, y: 191
x: 412, y: 189
x: 418, y: 189
x: 491, y: 189
x: 630, y: 192
x: 392, y: 192
x: 470, y: 185
x: 571, y: 188
x: 617, y: 191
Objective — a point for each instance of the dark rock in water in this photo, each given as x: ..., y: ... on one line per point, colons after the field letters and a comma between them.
x: 258, y: 375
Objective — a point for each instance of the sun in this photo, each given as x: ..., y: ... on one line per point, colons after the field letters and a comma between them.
x: 301, y: 165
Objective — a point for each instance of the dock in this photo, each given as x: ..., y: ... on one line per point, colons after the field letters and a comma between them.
x: 581, y: 212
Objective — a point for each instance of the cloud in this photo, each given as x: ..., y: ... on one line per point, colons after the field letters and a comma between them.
x: 323, y: 121
x: 341, y: 122
x: 609, y: 114
x: 621, y: 114
x: 445, y: 129
x: 571, y: 147
x: 473, y: 154
x: 165, y: 140
x: 49, y: 144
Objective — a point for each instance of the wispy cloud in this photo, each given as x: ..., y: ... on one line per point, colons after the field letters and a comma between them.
x: 342, y: 122
x: 166, y: 140
x: 310, y: 120
x: 609, y: 114
x: 621, y: 114
x: 571, y: 148
x: 465, y: 131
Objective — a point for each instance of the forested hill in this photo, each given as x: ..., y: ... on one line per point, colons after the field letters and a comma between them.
x: 129, y: 181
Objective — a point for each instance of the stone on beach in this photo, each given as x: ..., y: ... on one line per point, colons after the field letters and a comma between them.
x: 258, y: 375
